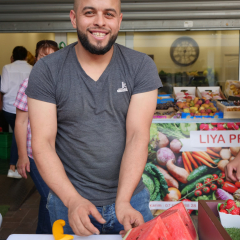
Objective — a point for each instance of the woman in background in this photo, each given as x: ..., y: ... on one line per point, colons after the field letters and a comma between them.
x: 23, y: 138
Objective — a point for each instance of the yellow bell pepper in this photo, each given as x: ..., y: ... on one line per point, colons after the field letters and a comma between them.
x: 58, y: 232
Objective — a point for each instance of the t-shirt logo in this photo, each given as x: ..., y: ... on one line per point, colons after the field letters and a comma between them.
x: 123, y: 88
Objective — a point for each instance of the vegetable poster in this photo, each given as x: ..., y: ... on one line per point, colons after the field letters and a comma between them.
x: 186, y: 162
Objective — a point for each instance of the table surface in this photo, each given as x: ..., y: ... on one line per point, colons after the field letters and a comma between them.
x: 50, y: 237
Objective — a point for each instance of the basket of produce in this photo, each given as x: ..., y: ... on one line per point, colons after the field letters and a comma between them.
x: 232, y: 88
x: 230, y: 109
x: 165, y: 106
x: 199, y: 108
x: 210, y: 93
x: 163, y: 114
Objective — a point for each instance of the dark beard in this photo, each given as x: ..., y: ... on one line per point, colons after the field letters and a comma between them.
x: 95, y: 49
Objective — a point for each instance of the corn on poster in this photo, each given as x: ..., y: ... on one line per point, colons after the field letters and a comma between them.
x: 186, y: 162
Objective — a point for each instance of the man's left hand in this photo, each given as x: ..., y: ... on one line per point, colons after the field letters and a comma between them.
x: 128, y: 217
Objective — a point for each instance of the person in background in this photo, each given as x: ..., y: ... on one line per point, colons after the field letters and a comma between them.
x: 30, y: 58
x: 3, y: 122
x: 22, y: 129
x: 232, y: 170
x: 12, y: 76
x: 91, y: 106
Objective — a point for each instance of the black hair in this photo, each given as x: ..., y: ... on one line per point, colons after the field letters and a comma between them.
x: 19, y: 53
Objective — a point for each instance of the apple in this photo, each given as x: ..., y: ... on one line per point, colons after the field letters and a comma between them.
x: 205, y: 105
x: 214, y: 109
x: 208, y: 110
x: 192, y: 103
x: 199, y: 102
x: 181, y: 105
x: 211, y: 104
x: 197, y: 105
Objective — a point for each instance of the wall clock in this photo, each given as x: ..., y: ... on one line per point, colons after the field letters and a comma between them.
x: 184, y: 51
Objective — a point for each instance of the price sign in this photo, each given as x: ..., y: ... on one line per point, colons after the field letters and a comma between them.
x: 156, y: 205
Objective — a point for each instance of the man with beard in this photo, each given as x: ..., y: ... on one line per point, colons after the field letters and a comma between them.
x: 91, y: 106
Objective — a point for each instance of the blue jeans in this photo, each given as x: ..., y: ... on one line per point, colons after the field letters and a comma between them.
x: 140, y: 202
x: 10, y: 118
x: 44, y: 225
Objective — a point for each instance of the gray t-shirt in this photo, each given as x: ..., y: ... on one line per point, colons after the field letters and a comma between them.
x: 91, y: 115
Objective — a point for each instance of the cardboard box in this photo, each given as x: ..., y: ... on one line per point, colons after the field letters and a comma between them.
x: 155, y: 116
x: 210, y: 89
x: 163, y: 98
x: 226, y: 112
x: 190, y: 90
x: 230, y: 90
x: 209, y: 226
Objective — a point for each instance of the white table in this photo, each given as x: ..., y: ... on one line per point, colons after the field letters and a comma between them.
x: 50, y: 237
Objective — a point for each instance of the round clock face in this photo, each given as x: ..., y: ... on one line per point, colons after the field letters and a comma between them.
x: 184, y: 51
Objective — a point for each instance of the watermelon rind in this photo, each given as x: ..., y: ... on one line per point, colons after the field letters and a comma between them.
x: 128, y: 232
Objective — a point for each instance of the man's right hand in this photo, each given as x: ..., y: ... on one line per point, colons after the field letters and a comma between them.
x: 79, y: 210
x: 23, y: 164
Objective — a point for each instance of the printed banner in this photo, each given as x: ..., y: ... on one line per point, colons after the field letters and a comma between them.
x: 215, y: 138
x: 166, y: 205
x: 186, y: 162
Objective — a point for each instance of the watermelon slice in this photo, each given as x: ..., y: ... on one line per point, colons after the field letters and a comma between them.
x: 152, y: 230
x: 173, y: 224
x: 186, y: 219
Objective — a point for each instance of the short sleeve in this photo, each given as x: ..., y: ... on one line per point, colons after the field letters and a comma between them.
x: 147, y: 78
x: 41, y: 84
x: 21, y: 99
x: 5, y: 80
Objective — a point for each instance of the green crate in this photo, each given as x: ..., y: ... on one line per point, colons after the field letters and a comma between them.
x: 4, y: 166
x: 5, y: 152
x: 5, y: 139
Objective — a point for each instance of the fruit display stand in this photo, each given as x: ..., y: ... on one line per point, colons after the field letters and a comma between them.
x: 209, y: 226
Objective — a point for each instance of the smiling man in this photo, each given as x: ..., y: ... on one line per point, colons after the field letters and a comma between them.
x: 91, y: 106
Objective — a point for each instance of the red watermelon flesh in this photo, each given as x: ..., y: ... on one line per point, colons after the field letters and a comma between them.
x: 186, y: 219
x: 152, y: 230
x: 175, y: 225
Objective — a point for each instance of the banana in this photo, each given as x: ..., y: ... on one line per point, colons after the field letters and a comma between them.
x: 58, y: 232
